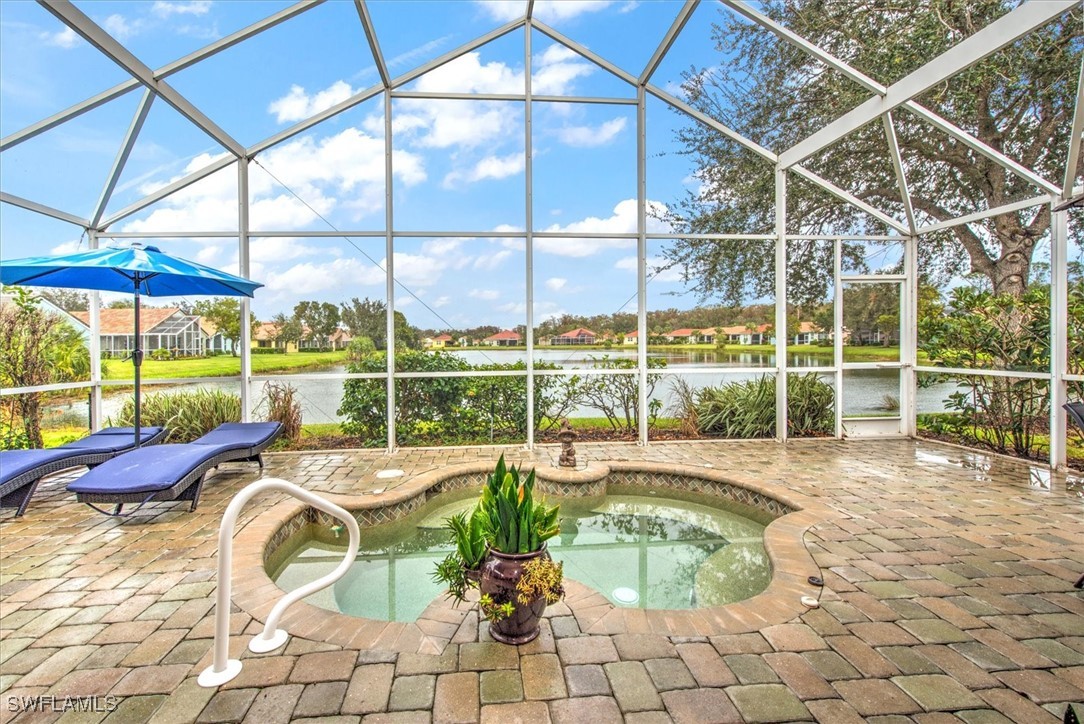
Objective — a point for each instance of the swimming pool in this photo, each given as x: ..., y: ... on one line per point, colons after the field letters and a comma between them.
x: 640, y: 548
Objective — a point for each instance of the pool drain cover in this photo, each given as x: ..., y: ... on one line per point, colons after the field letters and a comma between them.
x: 389, y: 474
x: 626, y: 595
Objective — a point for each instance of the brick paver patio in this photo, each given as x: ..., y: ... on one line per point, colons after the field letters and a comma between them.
x: 948, y: 597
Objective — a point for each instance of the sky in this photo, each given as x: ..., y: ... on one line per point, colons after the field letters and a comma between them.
x: 459, y: 165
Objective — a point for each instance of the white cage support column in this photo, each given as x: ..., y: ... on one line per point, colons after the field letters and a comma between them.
x: 781, y: 304
x: 528, y: 196
x: 389, y: 270
x: 909, y: 339
x: 1059, y: 327
x: 246, y: 304
x: 641, y: 261
x: 94, y: 343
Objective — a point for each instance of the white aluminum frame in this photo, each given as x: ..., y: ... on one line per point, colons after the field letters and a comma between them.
x: 1011, y: 27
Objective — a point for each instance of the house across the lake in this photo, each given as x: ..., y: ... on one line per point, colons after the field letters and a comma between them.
x: 504, y: 338
x: 161, y: 328
x: 576, y: 336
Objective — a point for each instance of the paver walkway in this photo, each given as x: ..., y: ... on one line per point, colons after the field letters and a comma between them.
x: 948, y: 597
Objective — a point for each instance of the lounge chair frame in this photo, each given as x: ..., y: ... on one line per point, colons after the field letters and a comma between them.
x: 187, y: 488
x: 16, y: 493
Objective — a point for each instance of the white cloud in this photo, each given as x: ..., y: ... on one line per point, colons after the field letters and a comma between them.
x: 489, y: 262
x: 120, y: 28
x: 622, y: 221
x: 556, y: 284
x: 344, y: 171
x: 656, y: 271
x: 66, y: 38
x: 588, y: 136
x: 165, y: 9
x: 310, y: 278
x: 490, y: 167
x: 546, y: 10
x: 68, y: 247
x: 556, y: 68
x: 442, y: 301
x: 297, y: 105
x: 484, y: 294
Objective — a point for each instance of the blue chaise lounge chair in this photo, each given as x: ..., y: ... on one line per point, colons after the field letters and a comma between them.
x: 22, y: 470
x: 173, y: 472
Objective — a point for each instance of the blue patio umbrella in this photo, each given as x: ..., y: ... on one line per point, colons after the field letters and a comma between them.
x: 141, y: 270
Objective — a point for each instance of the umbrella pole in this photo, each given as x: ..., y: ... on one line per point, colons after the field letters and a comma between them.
x: 137, y: 360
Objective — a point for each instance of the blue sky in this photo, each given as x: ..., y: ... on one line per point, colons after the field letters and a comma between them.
x: 458, y: 164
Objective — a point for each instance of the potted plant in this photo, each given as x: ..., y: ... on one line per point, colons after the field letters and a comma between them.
x: 516, y: 575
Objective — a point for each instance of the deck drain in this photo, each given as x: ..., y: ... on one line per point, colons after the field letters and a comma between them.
x: 384, y: 474
x: 626, y: 595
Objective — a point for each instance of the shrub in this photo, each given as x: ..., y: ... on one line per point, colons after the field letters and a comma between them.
x: 267, y: 350
x: 618, y: 396
x: 187, y: 414
x: 747, y: 409
x: 160, y: 355
x: 280, y: 404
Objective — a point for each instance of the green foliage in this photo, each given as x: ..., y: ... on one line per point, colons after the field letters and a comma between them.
x: 161, y: 355
x: 287, y: 330
x: 981, y: 330
x: 745, y: 410
x: 187, y: 414
x: 318, y: 320
x: 542, y: 578
x: 359, y: 347
x: 469, y: 537
x: 1018, y: 100
x: 369, y: 318
x: 514, y: 523
x: 280, y: 404
x: 452, y: 573
x: 225, y: 314
x: 36, y: 348
x: 494, y: 611
x: 617, y: 396
x: 449, y: 410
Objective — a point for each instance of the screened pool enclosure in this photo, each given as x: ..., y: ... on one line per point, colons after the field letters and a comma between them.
x: 517, y: 171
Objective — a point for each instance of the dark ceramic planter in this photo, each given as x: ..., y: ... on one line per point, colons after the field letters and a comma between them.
x: 500, y: 573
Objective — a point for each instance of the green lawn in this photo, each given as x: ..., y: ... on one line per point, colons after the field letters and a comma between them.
x: 225, y: 366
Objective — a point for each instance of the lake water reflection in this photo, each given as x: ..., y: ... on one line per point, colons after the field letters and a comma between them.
x: 866, y: 391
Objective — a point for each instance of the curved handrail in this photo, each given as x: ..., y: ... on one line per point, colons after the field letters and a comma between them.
x: 222, y: 668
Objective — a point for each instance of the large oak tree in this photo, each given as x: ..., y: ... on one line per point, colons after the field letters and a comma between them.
x: 1018, y: 101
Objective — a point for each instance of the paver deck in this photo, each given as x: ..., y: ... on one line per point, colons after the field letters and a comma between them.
x: 948, y: 597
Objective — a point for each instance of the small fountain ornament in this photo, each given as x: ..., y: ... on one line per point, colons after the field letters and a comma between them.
x: 567, y: 436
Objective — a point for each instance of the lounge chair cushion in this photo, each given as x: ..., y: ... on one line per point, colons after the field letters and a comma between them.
x: 145, y: 470
x: 112, y: 439
x: 239, y: 435
x: 17, y: 462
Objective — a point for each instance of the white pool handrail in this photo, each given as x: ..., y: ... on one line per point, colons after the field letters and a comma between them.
x: 223, y: 668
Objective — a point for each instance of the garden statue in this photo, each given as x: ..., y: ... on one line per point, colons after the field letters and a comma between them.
x: 567, y: 436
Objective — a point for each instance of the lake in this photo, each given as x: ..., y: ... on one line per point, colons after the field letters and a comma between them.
x: 865, y: 391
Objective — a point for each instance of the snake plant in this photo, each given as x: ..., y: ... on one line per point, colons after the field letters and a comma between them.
x: 514, y: 523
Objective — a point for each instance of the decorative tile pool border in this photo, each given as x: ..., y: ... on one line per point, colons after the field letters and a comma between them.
x: 273, y: 535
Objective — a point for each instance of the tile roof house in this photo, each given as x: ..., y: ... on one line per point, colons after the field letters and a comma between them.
x: 504, y: 338
x: 439, y: 341
x: 165, y: 328
x: 575, y: 337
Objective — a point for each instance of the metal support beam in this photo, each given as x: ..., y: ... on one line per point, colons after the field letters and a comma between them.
x: 641, y: 262
x: 909, y: 339
x: 457, y: 52
x: 901, y: 174
x: 980, y: 215
x: 164, y: 72
x: 389, y: 271
x: 1073, y: 157
x: 682, y: 18
x: 781, y: 304
x: 585, y: 52
x: 75, y: 19
x: 213, y: 167
x: 528, y: 201
x: 245, y: 270
x: 850, y: 198
x: 94, y: 346
x: 1059, y: 335
x: 122, y: 156
x: 837, y: 331
x: 873, y: 86
x: 374, y: 43
x: 995, y: 36
x: 43, y: 209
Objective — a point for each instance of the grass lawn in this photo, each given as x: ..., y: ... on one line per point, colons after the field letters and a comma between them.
x: 223, y: 366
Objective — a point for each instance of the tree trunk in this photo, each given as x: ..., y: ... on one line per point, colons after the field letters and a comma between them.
x: 30, y: 409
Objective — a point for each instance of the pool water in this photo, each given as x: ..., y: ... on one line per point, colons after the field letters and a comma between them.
x: 643, y: 550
